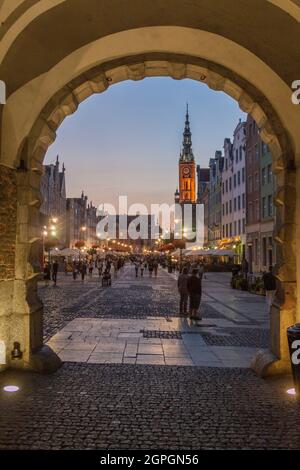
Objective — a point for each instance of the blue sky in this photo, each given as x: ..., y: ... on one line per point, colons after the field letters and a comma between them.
x: 127, y: 140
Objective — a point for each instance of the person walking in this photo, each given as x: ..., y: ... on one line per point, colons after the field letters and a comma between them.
x: 47, y: 274
x: 155, y: 267
x: 182, y: 284
x: 194, y: 287
x: 150, y: 268
x: 136, y: 267
x: 54, y: 272
x: 142, y: 268
x: 91, y: 267
x: 83, y: 270
x: 201, y: 271
x: 100, y: 267
x: 74, y: 270
x: 270, y: 285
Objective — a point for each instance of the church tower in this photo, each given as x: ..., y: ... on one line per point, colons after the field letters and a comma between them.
x: 187, y: 166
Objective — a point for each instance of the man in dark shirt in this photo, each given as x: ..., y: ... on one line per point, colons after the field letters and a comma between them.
x: 270, y: 285
x: 54, y: 272
x: 194, y: 286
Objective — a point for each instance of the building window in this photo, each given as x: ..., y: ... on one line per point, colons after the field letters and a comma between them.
x: 226, y: 186
x: 256, y: 187
x: 264, y: 148
x: 239, y: 177
x: 234, y: 204
x: 223, y: 188
x: 234, y: 181
x: 270, y: 205
x: 230, y: 183
x: 264, y: 250
x: 250, y: 189
x: 250, y: 212
x: 243, y: 175
x: 226, y: 164
x: 256, y: 250
x: 239, y: 203
x: 236, y: 156
x: 249, y: 156
x: 241, y: 153
x: 230, y: 229
x: 223, y: 231
x: 230, y: 206
x: 257, y: 209
x: 264, y: 207
x: 223, y: 205
x: 234, y: 233
x: 227, y: 208
x: 244, y: 201
x: 239, y: 225
x: 270, y: 174
x: 263, y: 176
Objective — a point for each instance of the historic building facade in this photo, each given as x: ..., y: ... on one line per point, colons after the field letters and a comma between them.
x: 54, y: 202
x: 239, y: 189
x: 253, y: 195
x: 227, y: 194
x: 267, y: 224
x: 202, y: 182
x: 82, y: 222
x: 216, y: 165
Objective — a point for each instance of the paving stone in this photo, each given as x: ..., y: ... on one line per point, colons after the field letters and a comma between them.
x: 149, y: 407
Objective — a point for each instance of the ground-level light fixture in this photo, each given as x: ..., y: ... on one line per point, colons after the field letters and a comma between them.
x: 16, y: 352
x: 11, y: 388
x: 291, y: 391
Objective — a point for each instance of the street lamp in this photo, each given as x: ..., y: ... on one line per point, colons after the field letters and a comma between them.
x: 52, y: 228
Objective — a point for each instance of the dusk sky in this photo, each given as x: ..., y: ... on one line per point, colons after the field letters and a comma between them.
x: 126, y: 141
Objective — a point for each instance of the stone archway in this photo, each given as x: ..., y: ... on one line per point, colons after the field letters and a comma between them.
x: 36, y: 109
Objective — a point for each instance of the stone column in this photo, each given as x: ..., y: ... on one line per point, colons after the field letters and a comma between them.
x: 8, y: 219
x: 21, y: 311
x: 27, y: 326
x: 283, y: 311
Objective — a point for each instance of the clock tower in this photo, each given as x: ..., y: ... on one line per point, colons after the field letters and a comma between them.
x: 187, y: 166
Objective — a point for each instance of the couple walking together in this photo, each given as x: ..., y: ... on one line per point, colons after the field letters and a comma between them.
x: 190, y: 287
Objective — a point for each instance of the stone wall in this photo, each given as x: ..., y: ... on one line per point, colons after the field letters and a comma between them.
x: 8, y: 220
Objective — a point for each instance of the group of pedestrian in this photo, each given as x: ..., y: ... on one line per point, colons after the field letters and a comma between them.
x: 104, y: 266
x: 142, y: 264
x: 190, y: 291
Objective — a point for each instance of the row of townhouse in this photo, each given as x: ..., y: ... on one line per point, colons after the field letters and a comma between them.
x: 239, y: 213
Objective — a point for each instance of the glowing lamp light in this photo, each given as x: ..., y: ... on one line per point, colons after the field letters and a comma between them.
x: 11, y: 388
x: 291, y: 391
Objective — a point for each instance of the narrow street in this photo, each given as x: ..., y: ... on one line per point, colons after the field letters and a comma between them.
x: 136, y: 375
x: 136, y: 321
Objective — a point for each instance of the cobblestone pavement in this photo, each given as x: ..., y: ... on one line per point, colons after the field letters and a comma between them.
x: 108, y: 396
x: 140, y: 298
x: 136, y: 321
x: 85, y: 406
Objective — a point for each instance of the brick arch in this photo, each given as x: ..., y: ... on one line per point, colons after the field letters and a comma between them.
x: 96, y: 80
x: 231, y: 52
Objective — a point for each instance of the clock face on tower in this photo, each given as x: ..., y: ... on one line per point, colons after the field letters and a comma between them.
x: 186, y: 172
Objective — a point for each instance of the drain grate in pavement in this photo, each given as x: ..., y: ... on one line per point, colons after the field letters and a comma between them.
x: 250, y: 337
x: 161, y: 334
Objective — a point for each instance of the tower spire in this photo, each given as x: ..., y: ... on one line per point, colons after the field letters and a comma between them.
x: 187, y: 152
